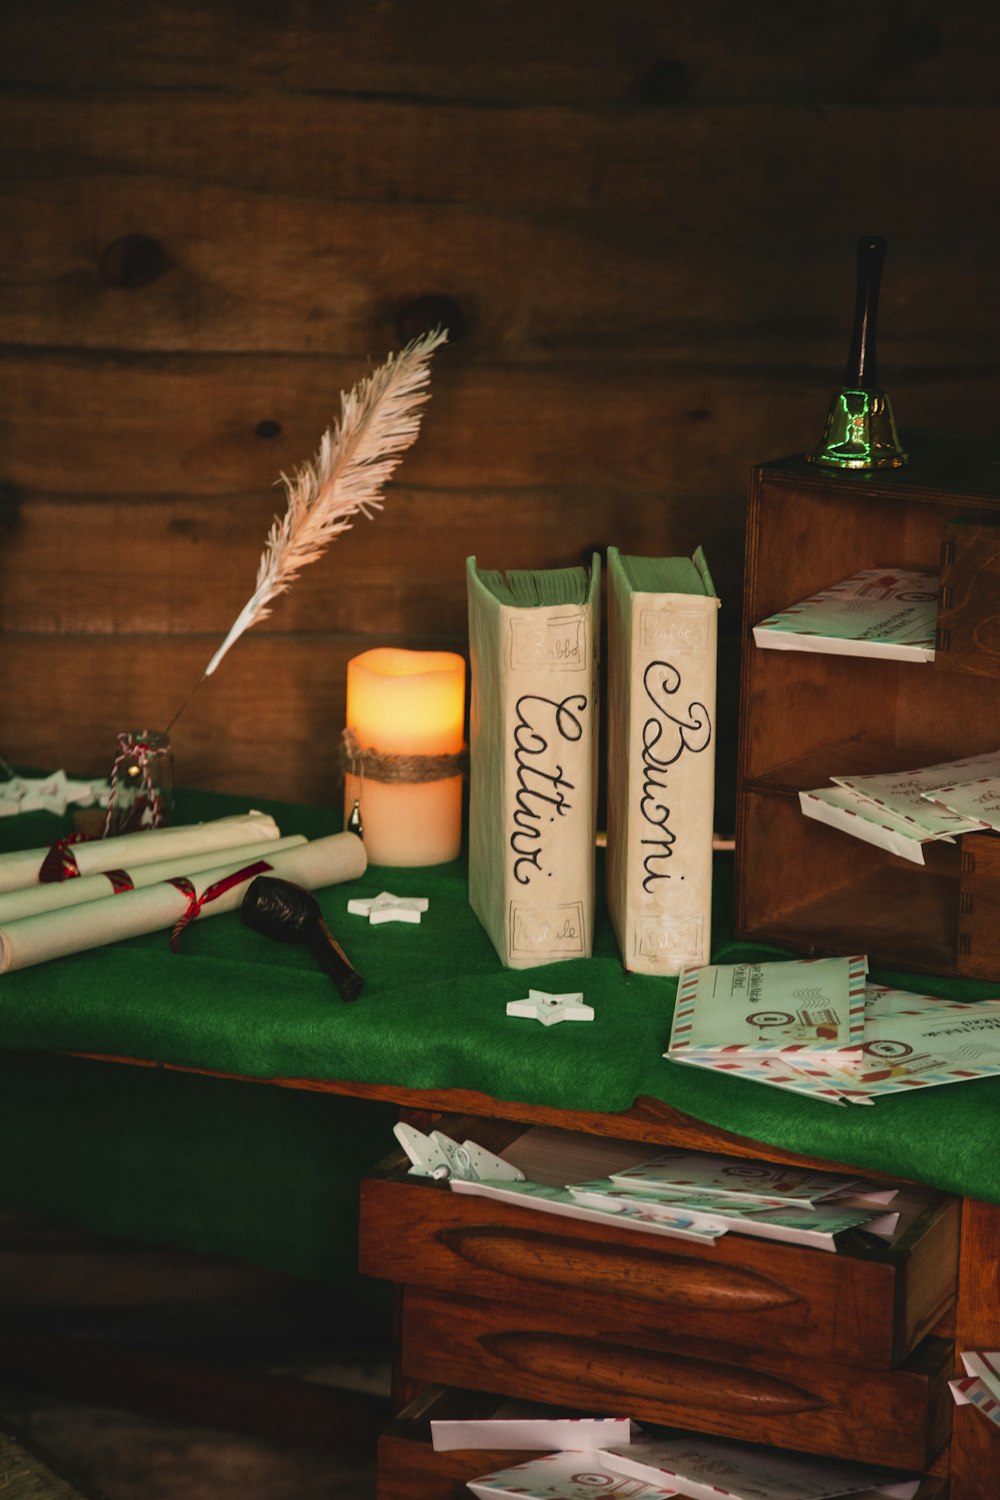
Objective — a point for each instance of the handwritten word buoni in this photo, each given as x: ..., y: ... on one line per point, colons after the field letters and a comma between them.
x: 667, y: 735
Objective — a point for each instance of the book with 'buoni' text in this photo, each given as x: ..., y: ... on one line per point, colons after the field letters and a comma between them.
x: 662, y: 647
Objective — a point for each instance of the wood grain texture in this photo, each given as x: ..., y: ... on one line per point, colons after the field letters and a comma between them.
x: 863, y: 1308
x: 214, y: 220
x: 160, y: 423
x: 175, y: 565
x: 898, y: 1417
x: 685, y: 166
x: 648, y: 1119
x: 968, y: 633
x: 979, y: 907
x: 156, y: 424
x: 264, y: 269
x: 225, y: 739
x: 640, y: 52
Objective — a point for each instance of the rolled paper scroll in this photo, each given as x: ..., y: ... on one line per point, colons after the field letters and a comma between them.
x: 21, y: 867
x: 74, y: 929
x: 33, y: 899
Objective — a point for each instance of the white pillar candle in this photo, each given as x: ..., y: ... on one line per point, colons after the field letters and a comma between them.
x: 407, y: 703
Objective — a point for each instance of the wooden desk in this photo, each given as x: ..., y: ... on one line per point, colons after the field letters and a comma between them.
x: 964, y: 1464
x: 969, y: 1458
x: 974, y: 1322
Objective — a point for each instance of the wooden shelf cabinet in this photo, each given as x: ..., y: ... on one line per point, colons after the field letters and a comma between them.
x: 806, y: 717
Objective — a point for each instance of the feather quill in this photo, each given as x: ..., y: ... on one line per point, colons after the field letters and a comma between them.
x: 379, y: 419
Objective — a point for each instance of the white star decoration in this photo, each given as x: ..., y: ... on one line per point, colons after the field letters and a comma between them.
x: 48, y: 794
x: 388, y: 908
x: 541, y: 1006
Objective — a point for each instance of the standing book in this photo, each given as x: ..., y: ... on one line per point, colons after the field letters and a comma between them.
x: 662, y: 647
x: 533, y: 639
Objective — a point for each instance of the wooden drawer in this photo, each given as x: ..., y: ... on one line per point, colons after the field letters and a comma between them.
x: 409, y: 1469
x: 869, y: 1305
x: 899, y: 1418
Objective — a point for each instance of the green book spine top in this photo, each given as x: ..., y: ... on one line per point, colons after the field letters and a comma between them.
x: 663, y: 575
x: 533, y: 645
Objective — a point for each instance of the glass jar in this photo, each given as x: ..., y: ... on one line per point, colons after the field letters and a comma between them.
x: 142, y: 783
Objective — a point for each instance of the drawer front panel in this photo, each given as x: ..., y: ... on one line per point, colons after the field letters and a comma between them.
x: 765, y: 1295
x: 409, y: 1469
x: 897, y: 1418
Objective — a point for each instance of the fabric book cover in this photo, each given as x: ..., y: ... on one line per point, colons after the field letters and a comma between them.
x: 533, y: 640
x: 885, y: 612
x: 662, y: 650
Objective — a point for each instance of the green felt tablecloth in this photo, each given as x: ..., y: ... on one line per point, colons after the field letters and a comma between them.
x: 432, y: 1016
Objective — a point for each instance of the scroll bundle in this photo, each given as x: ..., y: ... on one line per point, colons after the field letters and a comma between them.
x: 173, y: 875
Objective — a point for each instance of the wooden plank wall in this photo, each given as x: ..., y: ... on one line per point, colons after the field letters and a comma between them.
x: 638, y: 220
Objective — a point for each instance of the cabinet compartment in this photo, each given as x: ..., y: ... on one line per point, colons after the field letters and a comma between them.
x: 899, y: 1418
x: 806, y: 717
x: 867, y: 1305
x: 817, y: 890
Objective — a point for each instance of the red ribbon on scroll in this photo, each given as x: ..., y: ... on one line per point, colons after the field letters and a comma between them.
x: 60, y: 863
x: 210, y: 893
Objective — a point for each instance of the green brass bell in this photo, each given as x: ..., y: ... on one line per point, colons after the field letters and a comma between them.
x: 860, y: 428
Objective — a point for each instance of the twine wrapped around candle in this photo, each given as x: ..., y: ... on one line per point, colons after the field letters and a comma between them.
x: 381, y: 766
